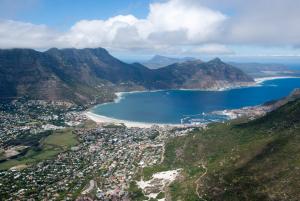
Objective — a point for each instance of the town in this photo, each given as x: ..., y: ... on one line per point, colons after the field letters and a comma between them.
x: 99, y: 164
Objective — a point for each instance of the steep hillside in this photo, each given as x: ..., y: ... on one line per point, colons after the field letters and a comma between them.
x: 36, y: 75
x: 93, y: 65
x: 214, y: 74
x: 256, y: 160
x: 25, y: 72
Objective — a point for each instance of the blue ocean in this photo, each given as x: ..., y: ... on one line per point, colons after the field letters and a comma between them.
x: 184, y: 106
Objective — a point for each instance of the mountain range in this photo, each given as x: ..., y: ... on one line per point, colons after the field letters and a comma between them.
x: 253, y: 69
x: 93, y: 75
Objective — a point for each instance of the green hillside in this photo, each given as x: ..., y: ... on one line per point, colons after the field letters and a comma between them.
x: 257, y: 160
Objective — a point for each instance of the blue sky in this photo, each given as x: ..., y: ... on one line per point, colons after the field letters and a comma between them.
x: 131, y: 29
x: 61, y: 14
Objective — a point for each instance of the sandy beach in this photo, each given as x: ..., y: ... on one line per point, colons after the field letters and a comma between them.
x: 107, y: 120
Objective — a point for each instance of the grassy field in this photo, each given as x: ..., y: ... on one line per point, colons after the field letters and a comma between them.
x: 257, y: 160
x: 89, y: 124
x: 61, y: 139
x: 49, y: 147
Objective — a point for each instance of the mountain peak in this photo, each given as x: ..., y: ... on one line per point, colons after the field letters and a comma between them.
x: 216, y: 60
x: 195, y: 61
x: 77, y: 50
x: 157, y: 56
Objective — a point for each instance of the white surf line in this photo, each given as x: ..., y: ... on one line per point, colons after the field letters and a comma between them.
x: 263, y: 79
x: 130, y: 124
x: 103, y: 119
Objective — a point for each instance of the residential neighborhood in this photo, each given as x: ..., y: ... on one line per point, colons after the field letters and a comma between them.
x: 100, y: 165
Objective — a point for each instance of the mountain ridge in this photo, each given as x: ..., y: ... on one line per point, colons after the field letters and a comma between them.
x: 93, y: 75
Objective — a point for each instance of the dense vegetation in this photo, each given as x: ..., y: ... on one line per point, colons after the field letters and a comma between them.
x: 239, y: 160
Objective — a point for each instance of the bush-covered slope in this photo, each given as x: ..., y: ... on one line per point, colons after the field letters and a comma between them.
x: 257, y: 160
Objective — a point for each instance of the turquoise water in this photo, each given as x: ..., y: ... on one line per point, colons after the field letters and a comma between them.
x: 176, y: 106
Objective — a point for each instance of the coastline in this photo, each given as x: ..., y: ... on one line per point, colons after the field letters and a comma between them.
x: 130, y: 124
x: 263, y: 79
x: 257, y: 82
x: 120, y: 95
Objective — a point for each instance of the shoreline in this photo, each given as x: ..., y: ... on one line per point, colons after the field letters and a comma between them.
x: 130, y: 124
x: 263, y: 79
x: 257, y: 82
x: 120, y: 95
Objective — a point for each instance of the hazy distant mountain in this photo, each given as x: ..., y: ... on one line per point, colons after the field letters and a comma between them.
x: 159, y: 61
x: 262, y: 69
x: 93, y: 75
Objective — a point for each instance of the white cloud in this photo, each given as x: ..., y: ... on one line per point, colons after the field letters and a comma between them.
x: 210, y: 49
x: 197, y: 22
x: 116, y: 32
x: 25, y: 35
x: 168, y: 24
x: 173, y: 26
x: 268, y: 22
x: 260, y: 22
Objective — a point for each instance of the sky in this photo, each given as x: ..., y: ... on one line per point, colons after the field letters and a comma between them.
x: 138, y: 29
